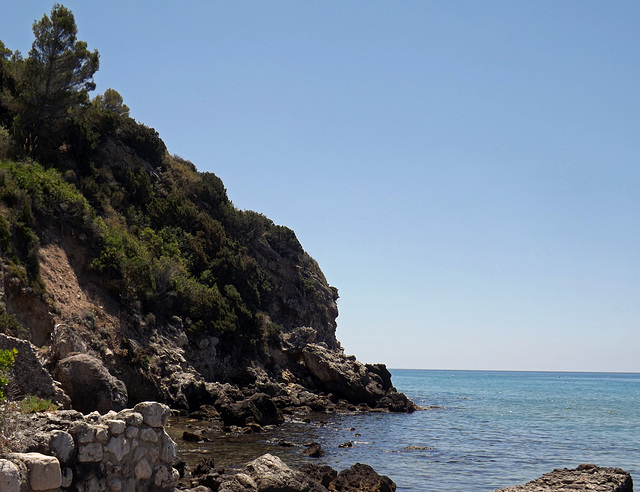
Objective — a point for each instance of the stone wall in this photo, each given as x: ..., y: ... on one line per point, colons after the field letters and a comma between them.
x: 66, y: 450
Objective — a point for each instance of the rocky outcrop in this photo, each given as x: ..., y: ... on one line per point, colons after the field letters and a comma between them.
x: 301, y: 295
x: 257, y: 409
x: 28, y: 308
x: 128, y: 450
x: 89, y: 384
x: 269, y: 473
x: 336, y: 372
x: 65, y: 341
x: 28, y: 376
x: 584, y: 477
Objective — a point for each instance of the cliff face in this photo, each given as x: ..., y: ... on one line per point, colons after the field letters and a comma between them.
x: 141, y: 262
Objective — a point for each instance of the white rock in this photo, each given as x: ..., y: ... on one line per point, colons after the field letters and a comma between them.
x: 165, y: 477
x: 169, y: 449
x: 9, y: 477
x: 154, y: 414
x: 102, y: 433
x: 62, y: 445
x: 116, y: 426
x: 44, y: 471
x: 130, y: 417
x: 119, y: 446
x: 87, y: 436
x: 90, y: 453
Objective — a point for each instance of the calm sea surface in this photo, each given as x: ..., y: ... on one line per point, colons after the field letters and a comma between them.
x: 485, y: 430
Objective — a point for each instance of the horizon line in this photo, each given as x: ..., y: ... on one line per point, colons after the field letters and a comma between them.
x: 514, y: 370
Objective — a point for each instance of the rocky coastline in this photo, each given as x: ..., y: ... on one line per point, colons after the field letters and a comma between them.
x: 130, y: 450
x: 108, y: 447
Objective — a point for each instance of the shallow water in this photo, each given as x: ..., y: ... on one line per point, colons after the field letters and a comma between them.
x: 488, y: 430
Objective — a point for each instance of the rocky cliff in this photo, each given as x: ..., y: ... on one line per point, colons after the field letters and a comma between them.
x: 155, y: 287
x: 133, y: 273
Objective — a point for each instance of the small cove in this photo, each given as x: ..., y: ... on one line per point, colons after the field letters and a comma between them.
x: 487, y: 430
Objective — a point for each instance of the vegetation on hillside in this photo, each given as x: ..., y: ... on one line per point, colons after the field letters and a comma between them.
x: 164, y: 237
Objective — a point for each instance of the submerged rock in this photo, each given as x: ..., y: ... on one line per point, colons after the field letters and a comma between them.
x: 584, y: 477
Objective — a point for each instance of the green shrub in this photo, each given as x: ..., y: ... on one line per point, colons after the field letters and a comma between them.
x: 6, y: 142
x: 34, y: 404
x: 6, y: 364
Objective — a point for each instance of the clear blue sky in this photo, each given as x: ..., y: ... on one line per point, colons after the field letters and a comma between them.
x: 467, y: 173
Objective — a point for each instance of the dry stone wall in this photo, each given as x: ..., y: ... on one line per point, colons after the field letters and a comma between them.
x: 124, y: 451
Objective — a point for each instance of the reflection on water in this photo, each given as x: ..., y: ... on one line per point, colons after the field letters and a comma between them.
x: 365, y: 432
x: 482, y: 431
x: 231, y: 450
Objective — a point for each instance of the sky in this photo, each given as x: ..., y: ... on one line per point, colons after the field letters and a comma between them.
x: 466, y: 173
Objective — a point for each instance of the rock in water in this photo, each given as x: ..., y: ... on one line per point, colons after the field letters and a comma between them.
x: 269, y: 472
x: 352, y: 380
x: 258, y: 408
x: 585, y: 477
x: 363, y: 478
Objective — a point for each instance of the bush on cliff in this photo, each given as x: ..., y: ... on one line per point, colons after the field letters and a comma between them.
x: 6, y: 363
x: 161, y: 236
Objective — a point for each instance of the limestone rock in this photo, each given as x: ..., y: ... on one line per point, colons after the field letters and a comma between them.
x: 584, y: 477
x: 28, y: 377
x: 65, y: 341
x: 239, y: 483
x: 61, y: 445
x: 89, y: 384
x: 9, y: 476
x: 352, y: 380
x: 271, y: 473
x: 298, y: 339
x: 44, y: 471
x: 153, y: 413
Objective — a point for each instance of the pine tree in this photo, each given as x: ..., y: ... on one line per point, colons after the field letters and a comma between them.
x: 62, y: 68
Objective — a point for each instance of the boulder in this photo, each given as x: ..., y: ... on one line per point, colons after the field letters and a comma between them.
x: 9, y: 476
x: 350, y: 379
x: 296, y: 340
x: 323, y: 474
x: 44, y: 471
x: 154, y: 414
x: 65, y: 341
x: 584, y: 477
x: 341, y: 374
x: 363, y: 478
x: 89, y: 384
x: 314, y: 450
x: 258, y: 409
x: 270, y: 473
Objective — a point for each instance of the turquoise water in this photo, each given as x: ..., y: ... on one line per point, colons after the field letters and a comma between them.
x: 494, y: 429
x: 485, y: 430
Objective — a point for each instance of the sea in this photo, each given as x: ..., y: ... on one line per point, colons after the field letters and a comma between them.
x: 481, y: 430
